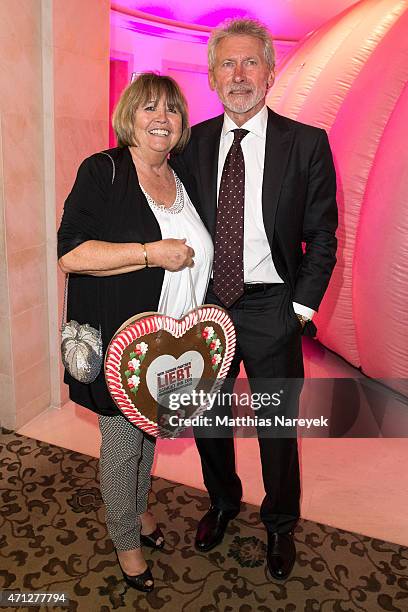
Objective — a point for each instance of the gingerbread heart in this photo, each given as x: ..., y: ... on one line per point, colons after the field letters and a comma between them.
x: 154, y: 360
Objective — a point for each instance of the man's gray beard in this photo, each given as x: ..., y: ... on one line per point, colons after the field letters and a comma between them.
x: 244, y: 107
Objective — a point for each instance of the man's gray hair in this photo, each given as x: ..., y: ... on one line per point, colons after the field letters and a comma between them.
x: 242, y: 27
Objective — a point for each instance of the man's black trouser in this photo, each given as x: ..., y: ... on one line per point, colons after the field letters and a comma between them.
x: 269, y: 344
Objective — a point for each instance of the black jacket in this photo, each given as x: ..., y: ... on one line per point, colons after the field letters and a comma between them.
x: 96, y: 209
x: 298, y: 198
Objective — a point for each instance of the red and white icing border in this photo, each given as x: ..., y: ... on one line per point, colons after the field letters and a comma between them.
x: 177, y: 328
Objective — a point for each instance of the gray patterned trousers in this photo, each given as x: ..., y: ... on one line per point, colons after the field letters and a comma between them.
x: 125, y: 465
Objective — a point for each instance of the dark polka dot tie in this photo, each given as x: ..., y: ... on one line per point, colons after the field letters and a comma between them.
x: 228, y: 272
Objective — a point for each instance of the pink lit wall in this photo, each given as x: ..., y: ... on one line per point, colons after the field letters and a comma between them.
x: 185, y: 60
x: 53, y: 112
x: 168, y: 50
x: 287, y: 19
x: 24, y: 348
x: 118, y: 80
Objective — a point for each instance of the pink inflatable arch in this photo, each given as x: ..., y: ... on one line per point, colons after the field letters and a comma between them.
x: 350, y: 77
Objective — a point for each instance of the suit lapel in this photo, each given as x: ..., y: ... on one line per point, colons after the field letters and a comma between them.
x: 190, y: 186
x: 208, y: 147
x: 279, y: 136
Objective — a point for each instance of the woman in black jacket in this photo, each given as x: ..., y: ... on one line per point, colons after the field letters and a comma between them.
x: 128, y: 236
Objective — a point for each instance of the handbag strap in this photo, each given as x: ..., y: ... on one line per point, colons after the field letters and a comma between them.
x: 64, y: 308
x: 193, y: 301
x: 194, y: 297
x: 113, y: 164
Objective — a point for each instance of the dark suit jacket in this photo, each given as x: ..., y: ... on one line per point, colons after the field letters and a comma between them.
x: 298, y: 198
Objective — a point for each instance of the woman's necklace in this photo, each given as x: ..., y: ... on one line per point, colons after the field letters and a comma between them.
x: 178, y: 203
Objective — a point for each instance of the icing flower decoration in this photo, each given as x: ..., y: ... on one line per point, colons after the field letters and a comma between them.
x: 208, y: 332
x: 133, y: 364
x: 141, y: 348
x: 215, y: 360
x: 214, y: 344
x: 133, y: 382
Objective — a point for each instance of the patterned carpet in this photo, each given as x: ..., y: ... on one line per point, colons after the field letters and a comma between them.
x: 53, y: 539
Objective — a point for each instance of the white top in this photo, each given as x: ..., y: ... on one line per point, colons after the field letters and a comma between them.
x: 175, y: 299
x: 258, y: 262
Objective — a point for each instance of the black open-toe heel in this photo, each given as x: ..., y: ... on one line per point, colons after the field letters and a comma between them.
x: 139, y: 581
x: 150, y: 539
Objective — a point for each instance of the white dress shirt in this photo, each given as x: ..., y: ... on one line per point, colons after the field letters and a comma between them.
x: 175, y: 298
x: 258, y: 262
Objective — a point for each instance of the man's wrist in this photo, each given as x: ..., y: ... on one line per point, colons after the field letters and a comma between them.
x: 303, y: 319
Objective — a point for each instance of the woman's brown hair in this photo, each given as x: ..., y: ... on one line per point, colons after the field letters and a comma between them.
x: 146, y: 87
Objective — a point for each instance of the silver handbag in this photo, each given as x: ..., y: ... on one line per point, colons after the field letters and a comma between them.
x: 81, y: 347
x: 81, y: 344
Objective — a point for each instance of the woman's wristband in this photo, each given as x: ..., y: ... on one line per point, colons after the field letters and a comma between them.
x: 145, y: 255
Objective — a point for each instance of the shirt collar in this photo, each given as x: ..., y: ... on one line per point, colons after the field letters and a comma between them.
x: 256, y: 125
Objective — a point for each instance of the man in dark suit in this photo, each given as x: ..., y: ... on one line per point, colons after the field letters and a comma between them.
x: 266, y: 185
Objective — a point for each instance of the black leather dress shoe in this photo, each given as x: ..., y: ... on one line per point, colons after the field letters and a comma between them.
x: 281, y: 554
x: 211, y: 528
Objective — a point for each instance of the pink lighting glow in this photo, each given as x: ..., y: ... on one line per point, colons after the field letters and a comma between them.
x: 330, y: 79
x: 350, y: 78
x: 287, y: 19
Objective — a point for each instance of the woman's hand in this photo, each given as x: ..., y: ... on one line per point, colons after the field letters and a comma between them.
x: 171, y: 254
